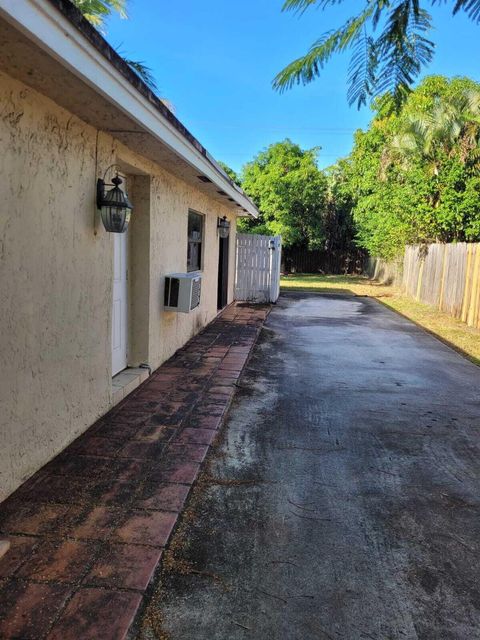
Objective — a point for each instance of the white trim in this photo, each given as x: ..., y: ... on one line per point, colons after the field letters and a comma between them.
x: 53, y: 33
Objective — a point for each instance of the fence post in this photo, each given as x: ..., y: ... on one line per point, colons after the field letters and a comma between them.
x: 474, y: 299
x: 275, y: 246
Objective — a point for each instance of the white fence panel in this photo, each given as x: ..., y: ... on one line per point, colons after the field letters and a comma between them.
x: 257, y: 275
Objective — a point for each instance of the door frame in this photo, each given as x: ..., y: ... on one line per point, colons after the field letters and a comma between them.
x: 125, y: 312
x: 223, y: 268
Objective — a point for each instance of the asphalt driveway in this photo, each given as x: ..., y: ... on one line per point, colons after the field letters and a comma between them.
x: 342, y: 501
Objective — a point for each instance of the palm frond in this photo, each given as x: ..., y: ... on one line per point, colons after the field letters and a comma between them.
x: 446, y: 129
x: 390, y: 62
x: 471, y: 8
x: 404, y: 142
x: 472, y: 99
x: 300, y: 6
x: 95, y: 11
x: 403, y: 49
x: 144, y: 72
x: 420, y: 126
x: 362, y: 70
x: 308, y: 67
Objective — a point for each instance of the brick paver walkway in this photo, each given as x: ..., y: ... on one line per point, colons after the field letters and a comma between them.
x: 87, y: 531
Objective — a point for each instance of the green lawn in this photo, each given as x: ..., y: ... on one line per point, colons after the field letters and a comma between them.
x: 448, y: 329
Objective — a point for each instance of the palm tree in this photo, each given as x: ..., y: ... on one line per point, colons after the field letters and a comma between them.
x: 386, y: 61
x: 96, y: 11
x: 450, y: 127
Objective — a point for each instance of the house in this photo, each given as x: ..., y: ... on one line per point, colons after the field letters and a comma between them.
x: 82, y: 308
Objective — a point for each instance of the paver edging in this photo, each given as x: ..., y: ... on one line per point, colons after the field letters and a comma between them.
x: 201, y: 469
x: 211, y: 397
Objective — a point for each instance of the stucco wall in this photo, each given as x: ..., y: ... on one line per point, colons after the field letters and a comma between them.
x: 170, y: 201
x: 170, y: 204
x: 56, y: 275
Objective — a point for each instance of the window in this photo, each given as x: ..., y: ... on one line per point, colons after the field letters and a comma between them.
x: 195, y: 241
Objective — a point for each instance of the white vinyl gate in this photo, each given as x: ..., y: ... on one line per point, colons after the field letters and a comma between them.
x: 257, y: 274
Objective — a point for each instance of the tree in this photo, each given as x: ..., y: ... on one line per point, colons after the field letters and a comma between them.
x: 388, y: 43
x: 414, y: 175
x: 447, y: 126
x: 339, y: 225
x: 96, y: 11
x: 233, y: 175
x: 291, y: 193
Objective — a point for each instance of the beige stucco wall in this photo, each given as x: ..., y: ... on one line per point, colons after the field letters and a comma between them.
x: 170, y: 201
x: 56, y: 275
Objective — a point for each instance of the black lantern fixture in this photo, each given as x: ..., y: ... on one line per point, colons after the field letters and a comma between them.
x: 114, y: 205
x: 223, y: 227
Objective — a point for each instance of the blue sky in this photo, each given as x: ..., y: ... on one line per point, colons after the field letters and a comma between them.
x: 215, y: 60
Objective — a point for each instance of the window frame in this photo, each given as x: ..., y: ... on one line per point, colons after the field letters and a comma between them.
x: 201, y: 241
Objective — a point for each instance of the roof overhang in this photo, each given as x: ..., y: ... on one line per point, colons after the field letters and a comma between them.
x: 48, y: 45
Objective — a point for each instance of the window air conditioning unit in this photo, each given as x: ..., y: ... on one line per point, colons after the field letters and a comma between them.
x: 182, y: 292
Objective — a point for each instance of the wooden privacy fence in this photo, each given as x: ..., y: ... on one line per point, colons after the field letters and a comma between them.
x: 257, y: 274
x: 447, y: 276
x: 384, y: 271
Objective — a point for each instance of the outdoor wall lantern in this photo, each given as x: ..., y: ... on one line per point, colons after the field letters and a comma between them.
x: 114, y: 205
x: 223, y: 227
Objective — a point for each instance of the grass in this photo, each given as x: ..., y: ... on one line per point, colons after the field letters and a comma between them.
x: 453, y: 332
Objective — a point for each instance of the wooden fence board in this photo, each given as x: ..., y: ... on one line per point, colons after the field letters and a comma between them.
x: 446, y: 276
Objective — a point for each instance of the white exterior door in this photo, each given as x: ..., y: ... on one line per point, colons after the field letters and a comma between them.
x: 120, y: 302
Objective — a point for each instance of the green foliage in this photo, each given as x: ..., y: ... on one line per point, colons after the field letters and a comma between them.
x: 291, y: 193
x: 233, y: 175
x: 414, y: 176
x: 95, y: 11
x: 338, y: 221
x: 388, y: 43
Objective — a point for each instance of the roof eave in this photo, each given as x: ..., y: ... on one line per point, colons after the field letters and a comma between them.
x: 70, y: 39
